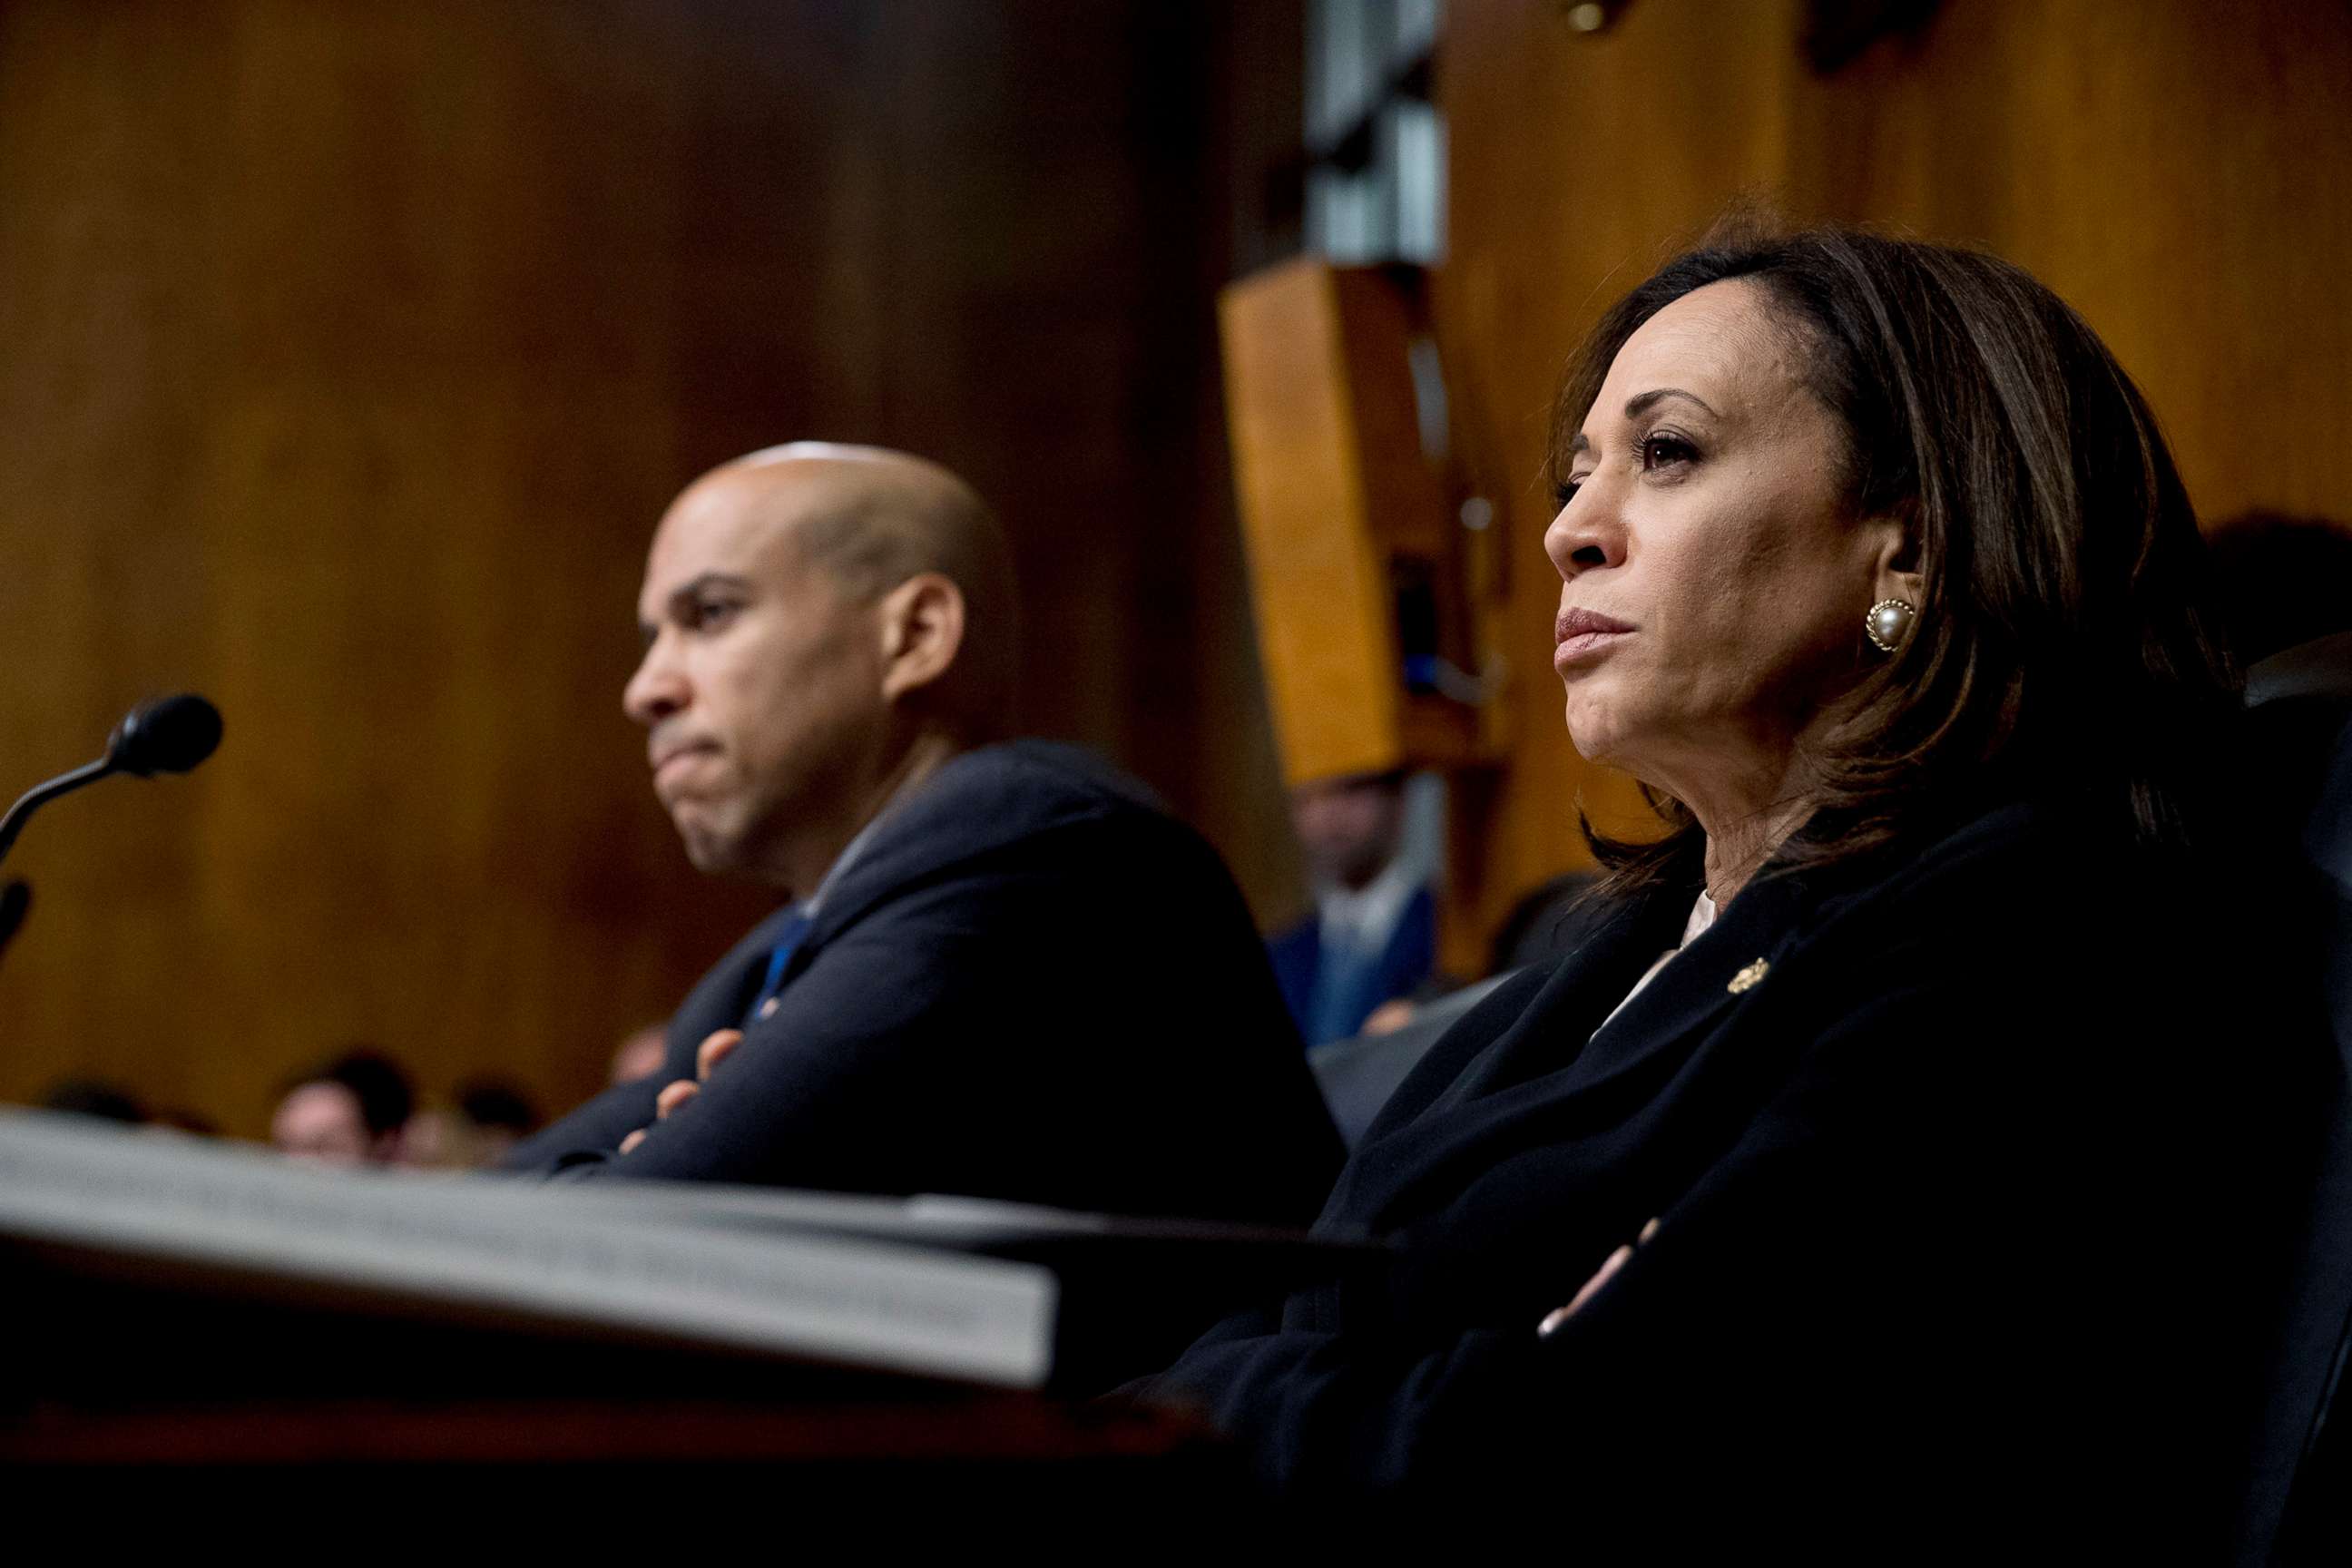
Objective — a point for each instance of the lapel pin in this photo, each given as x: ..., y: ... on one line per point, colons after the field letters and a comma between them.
x: 1747, y: 978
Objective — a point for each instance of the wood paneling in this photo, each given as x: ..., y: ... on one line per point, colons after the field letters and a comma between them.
x: 2182, y: 174
x: 347, y: 352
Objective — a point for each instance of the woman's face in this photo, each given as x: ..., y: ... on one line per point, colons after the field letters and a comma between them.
x: 1713, y: 583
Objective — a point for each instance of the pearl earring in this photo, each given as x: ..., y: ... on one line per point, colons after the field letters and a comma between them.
x: 1889, y: 623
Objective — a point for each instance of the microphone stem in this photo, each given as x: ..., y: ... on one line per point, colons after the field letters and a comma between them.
x: 40, y: 794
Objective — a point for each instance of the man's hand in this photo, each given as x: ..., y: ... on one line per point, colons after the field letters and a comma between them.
x: 720, y: 1043
x: 1592, y: 1288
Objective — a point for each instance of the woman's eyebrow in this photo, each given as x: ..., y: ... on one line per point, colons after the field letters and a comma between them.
x: 1641, y: 403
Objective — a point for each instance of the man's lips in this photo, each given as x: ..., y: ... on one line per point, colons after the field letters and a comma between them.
x: 1578, y: 631
x: 661, y: 757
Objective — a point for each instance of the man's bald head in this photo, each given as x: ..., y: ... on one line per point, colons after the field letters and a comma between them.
x: 871, y: 519
x: 822, y: 623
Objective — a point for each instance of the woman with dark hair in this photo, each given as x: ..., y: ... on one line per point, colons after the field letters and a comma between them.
x: 1908, y: 1147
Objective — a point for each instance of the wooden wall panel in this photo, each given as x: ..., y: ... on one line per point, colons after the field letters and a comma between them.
x: 347, y: 352
x: 2178, y: 173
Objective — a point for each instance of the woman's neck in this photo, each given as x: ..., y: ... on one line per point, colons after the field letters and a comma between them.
x: 1738, y: 845
x: 1747, y: 816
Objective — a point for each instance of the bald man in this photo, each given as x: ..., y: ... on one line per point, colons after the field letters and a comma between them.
x: 1002, y: 970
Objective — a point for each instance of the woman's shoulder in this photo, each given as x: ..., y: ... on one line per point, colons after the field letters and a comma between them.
x: 2026, y: 855
x: 2060, y: 891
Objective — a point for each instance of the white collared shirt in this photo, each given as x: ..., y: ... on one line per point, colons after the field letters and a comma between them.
x: 1362, y: 920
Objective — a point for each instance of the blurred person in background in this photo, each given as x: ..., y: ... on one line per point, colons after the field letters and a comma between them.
x: 353, y: 1110
x: 1371, y: 938
x: 496, y: 1117
x: 2281, y: 582
x: 489, y: 1118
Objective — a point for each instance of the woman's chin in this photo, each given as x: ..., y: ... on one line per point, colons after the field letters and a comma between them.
x: 1594, y: 738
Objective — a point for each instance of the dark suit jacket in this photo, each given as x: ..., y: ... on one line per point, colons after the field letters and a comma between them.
x: 1972, y: 1164
x: 1404, y: 963
x: 1030, y: 983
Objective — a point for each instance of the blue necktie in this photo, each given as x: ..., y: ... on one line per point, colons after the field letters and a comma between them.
x: 789, y: 938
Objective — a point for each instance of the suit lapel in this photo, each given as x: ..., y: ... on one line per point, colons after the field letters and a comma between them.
x: 1728, y: 963
x: 1591, y: 981
x: 1549, y: 1064
x: 718, y: 1001
x: 727, y: 992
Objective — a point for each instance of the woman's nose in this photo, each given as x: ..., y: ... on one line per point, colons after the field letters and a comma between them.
x: 1583, y: 536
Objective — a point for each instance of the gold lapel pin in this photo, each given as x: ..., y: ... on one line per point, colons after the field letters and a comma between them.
x: 1747, y: 978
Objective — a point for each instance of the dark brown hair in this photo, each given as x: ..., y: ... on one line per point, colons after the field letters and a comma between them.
x: 2062, y: 644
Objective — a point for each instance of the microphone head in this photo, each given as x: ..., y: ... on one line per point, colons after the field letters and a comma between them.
x: 165, y: 735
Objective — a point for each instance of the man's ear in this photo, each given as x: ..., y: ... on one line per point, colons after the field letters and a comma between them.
x: 922, y: 626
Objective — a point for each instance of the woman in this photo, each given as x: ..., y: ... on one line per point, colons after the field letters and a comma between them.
x: 1923, y: 1039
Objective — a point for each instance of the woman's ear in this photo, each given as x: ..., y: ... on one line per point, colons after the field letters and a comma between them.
x: 1898, y: 573
x: 922, y: 626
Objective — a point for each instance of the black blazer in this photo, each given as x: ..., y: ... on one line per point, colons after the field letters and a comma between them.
x: 1973, y: 1167
x: 1030, y: 983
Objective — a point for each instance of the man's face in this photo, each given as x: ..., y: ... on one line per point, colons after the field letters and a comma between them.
x: 321, y: 1122
x: 762, y: 684
x: 1348, y: 828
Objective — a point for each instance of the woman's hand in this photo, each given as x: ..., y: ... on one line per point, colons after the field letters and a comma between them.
x: 713, y: 1050
x: 1592, y: 1288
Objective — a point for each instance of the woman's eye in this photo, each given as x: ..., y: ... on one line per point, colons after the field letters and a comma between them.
x: 1565, y: 492
x: 711, y: 614
x: 1661, y: 451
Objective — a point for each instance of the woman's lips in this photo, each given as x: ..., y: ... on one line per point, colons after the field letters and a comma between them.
x: 1581, y: 632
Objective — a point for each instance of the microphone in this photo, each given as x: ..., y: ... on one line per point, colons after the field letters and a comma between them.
x: 166, y: 735
x: 163, y: 735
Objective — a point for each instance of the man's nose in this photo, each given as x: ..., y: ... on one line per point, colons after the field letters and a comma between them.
x: 658, y: 688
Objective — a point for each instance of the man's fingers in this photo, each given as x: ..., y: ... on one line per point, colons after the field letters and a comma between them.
x: 674, y: 1096
x: 1648, y: 1231
x: 715, y: 1049
x: 708, y: 1055
x: 1606, y: 1272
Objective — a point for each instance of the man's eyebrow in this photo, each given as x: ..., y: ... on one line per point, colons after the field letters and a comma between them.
x: 683, y: 597
x: 694, y: 587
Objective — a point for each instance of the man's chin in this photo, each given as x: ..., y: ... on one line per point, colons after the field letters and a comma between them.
x: 714, y: 858
x: 709, y: 850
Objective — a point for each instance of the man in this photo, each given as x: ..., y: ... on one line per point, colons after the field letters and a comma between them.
x: 1003, y: 972
x: 352, y: 1111
x: 1371, y: 939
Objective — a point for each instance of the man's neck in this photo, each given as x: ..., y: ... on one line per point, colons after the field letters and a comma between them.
x: 801, y: 866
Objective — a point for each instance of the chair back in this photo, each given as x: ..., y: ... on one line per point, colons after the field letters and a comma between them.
x: 2299, y: 1504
